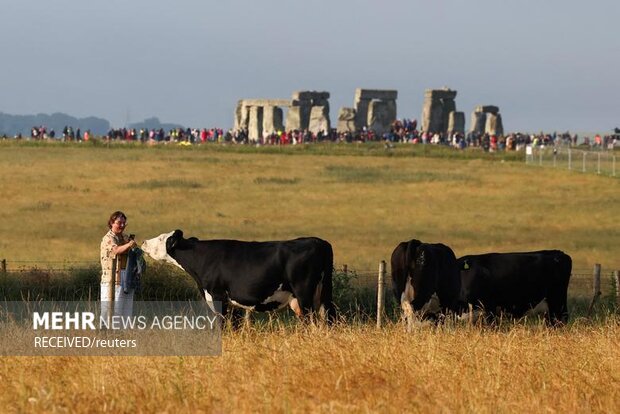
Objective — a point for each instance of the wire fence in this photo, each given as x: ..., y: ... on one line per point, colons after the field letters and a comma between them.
x: 584, y: 161
x: 357, y: 292
x: 581, y: 282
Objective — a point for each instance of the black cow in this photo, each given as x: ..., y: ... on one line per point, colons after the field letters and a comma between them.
x: 517, y: 282
x: 259, y: 276
x: 420, y: 270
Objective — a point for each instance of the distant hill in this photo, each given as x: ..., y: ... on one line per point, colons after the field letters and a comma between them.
x: 153, y: 123
x: 11, y: 125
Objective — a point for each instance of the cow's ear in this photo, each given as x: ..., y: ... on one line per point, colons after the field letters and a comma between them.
x: 420, y: 255
x: 172, y: 241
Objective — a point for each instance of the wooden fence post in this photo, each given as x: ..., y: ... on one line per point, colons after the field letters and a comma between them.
x: 596, y: 287
x: 380, y: 292
x: 3, y: 266
x: 345, y: 269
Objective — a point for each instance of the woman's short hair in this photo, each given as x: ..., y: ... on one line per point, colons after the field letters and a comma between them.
x: 115, y: 216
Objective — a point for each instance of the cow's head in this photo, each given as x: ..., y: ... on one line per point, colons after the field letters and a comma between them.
x: 160, y: 247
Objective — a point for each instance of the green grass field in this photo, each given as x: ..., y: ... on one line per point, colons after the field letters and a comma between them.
x: 56, y: 200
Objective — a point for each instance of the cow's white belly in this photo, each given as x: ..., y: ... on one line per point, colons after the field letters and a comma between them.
x: 282, y: 297
x: 239, y: 305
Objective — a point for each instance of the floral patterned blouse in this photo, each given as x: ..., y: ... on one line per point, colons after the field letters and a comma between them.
x: 110, y: 261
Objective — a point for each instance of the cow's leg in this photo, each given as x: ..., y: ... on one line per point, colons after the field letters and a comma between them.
x: 316, y: 303
x: 322, y: 303
x: 405, y: 304
x: 294, y: 304
x: 238, y: 317
x: 303, y: 302
x: 558, y: 309
x: 210, y: 301
x: 541, y: 310
x: 211, y: 304
x: 407, y: 315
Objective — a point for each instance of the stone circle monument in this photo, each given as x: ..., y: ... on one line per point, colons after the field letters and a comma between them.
x: 374, y: 109
x: 486, y: 119
x: 306, y: 110
x: 439, y: 113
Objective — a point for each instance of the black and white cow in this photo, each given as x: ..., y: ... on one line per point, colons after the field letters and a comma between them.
x: 517, y: 282
x: 420, y: 270
x: 259, y: 276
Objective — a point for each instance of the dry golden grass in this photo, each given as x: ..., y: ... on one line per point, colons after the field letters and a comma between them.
x: 56, y: 202
x: 345, y: 369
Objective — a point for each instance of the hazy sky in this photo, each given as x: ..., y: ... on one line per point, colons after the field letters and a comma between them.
x: 548, y: 64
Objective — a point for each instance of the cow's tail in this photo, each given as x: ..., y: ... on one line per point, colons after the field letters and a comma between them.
x: 398, y: 264
x: 327, y: 302
x: 564, y: 268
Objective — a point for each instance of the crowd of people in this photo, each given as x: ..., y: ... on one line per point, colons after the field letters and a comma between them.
x: 401, y: 130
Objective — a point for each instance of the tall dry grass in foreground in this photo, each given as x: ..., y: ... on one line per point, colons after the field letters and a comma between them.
x: 344, y: 369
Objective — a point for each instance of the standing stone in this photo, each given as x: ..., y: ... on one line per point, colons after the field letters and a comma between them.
x: 499, y: 125
x: 448, y: 107
x: 379, y: 117
x: 494, y: 125
x: 255, y: 124
x: 364, y: 98
x: 346, y: 120
x: 491, y: 125
x: 478, y: 122
x: 456, y: 122
x: 298, y: 117
x: 272, y: 119
x: 438, y: 103
x: 426, y: 114
x: 435, y: 123
x: 391, y: 110
x: 319, y: 120
x: 361, y: 113
x: 242, y: 116
x: 487, y: 119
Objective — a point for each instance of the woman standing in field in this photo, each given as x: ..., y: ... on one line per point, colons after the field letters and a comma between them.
x: 114, y: 249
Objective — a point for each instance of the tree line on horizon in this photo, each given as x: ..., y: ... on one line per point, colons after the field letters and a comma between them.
x: 14, y: 125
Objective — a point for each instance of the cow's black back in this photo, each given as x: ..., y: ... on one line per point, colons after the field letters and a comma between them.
x: 517, y: 282
x: 247, y: 272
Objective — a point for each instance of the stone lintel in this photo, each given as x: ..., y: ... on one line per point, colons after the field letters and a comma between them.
x: 491, y: 109
x: 265, y: 102
x: 309, y: 95
x: 380, y: 94
x: 439, y: 94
